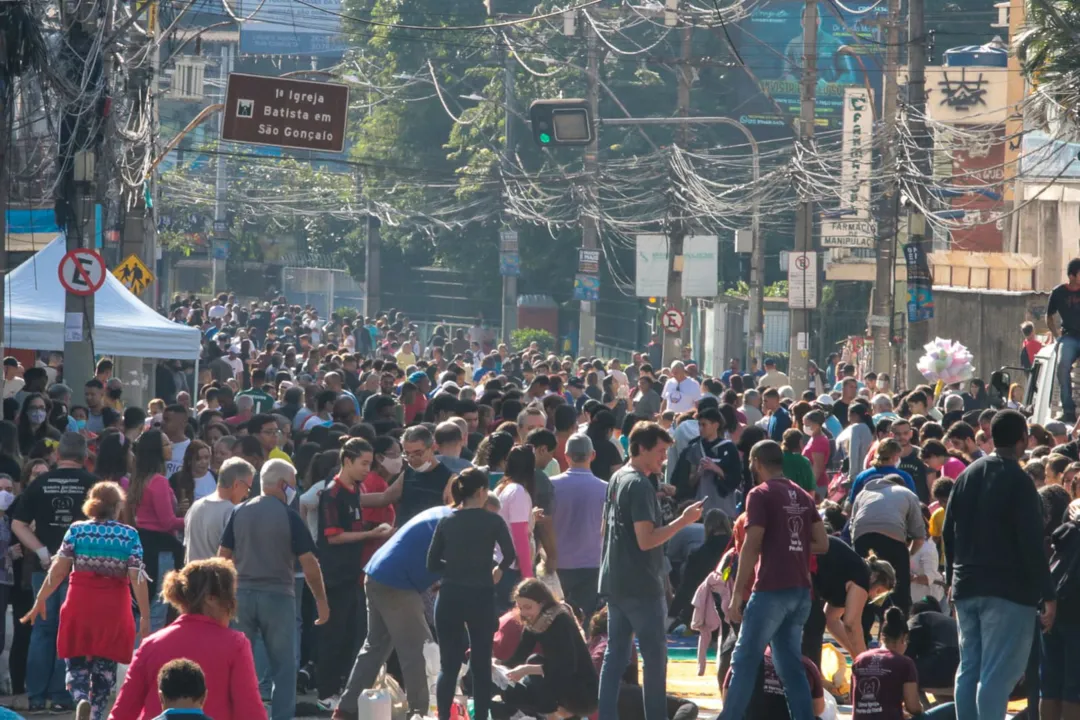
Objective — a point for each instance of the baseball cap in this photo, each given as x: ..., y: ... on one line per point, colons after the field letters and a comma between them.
x: 824, y: 400
x: 1056, y: 428
x: 575, y: 382
x: 417, y: 376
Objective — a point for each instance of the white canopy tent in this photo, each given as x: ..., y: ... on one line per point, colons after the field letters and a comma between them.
x: 123, y: 324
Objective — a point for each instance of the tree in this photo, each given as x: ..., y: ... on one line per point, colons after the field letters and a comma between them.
x: 1047, y: 47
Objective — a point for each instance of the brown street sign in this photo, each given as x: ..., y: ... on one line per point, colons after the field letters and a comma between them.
x: 263, y: 110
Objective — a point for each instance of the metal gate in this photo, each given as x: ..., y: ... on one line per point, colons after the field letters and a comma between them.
x: 324, y: 289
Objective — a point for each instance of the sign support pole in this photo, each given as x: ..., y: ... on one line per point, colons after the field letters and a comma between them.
x: 798, y: 347
x: 83, y: 178
x: 217, y: 271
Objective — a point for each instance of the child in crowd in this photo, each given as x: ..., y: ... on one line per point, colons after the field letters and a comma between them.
x: 182, y: 689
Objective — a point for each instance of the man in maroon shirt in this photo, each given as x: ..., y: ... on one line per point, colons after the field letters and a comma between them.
x: 782, y: 530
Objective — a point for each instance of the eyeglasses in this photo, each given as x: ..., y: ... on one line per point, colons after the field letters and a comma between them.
x: 415, y: 453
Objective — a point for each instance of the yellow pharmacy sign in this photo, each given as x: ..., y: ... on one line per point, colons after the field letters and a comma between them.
x: 135, y: 276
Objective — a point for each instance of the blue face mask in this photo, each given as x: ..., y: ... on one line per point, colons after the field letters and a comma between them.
x: 80, y: 424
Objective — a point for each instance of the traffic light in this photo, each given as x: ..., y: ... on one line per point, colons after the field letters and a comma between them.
x: 560, y: 122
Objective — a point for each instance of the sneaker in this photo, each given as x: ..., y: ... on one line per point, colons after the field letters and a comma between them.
x: 82, y: 712
x: 61, y: 708
x: 329, y: 704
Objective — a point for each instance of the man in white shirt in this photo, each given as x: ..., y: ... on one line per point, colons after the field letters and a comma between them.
x: 681, y: 392
x: 207, y: 518
x: 773, y: 378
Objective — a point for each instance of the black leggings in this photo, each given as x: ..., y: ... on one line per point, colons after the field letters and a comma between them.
x: 458, y: 608
x: 896, y: 554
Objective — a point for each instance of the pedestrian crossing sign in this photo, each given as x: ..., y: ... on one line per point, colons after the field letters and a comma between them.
x: 134, y: 274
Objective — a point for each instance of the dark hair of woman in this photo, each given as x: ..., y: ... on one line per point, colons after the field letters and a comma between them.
x: 466, y: 483
x: 494, y: 449
x: 895, y: 626
x: 113, y: 457
x: 303, y: 457
x: 537, y: 591
x: 183, y: 480
x: 520, y: 468
x: 149, y: 461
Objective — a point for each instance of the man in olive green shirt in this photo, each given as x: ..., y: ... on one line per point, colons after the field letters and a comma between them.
x: 797, y: 468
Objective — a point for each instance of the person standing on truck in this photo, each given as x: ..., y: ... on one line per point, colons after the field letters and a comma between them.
x: 1065, y: 302
x: 1030, y: 347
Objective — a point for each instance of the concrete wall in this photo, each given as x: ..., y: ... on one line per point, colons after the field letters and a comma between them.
x: 987, y: 323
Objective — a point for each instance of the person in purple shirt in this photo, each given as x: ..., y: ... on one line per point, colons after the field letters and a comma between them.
x: 579, y: 512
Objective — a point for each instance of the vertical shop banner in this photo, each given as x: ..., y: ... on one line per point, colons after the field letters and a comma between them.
x: 652, y: 266
x: 701, y: 266
x: 856, y: 150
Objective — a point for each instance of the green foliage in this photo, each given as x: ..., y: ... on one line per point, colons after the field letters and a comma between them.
x: 778, y: 289
x: 346, y: 313
x: 523, y: 337
x: 1047, y: 46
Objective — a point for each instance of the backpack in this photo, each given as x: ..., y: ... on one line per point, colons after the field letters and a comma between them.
x: 1065, y: 563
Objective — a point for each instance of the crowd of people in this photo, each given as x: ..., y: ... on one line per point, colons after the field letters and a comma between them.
x: 327, y: 497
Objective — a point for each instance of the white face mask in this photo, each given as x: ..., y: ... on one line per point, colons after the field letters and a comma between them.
x: 392, y: 465
x: 6, y: 498
x: 290, y: 494
x: 426, y: 466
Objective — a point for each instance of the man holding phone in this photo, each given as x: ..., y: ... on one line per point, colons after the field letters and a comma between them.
x: 632, y: 572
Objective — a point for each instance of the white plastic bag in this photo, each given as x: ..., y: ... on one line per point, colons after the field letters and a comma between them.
x: 499, y: 676
x: 830, y: 708
x: 399, y: 703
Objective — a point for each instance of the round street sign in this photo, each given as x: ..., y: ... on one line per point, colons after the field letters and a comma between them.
x: 672, y: 320
x: 82, y: 271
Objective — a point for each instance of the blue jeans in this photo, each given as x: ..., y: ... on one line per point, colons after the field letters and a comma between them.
x: 772, y: 619
x: 258, y: 648
x: 1068, y: 353
x: 159, y: 608
x: 44, y: 671
x: 995, y: 640
x: 271, y: 616
x: 645, y: 617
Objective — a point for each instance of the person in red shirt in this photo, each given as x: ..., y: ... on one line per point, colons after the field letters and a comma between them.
x: 204, y: 593
x: 783, y: 529
x: 884, y: 681
x: 1030, y: 347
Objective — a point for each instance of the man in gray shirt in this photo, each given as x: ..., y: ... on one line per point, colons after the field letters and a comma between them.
x: 632, y: 569
x: 205, y: 522
x: 264, y: 539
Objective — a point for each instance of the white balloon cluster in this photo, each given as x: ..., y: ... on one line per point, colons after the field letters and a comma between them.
x: 947, y: 361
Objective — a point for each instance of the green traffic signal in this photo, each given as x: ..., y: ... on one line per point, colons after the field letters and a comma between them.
x: 545, y: 138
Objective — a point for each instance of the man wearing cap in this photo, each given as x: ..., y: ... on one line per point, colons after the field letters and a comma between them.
x: 579, y: 499
x: 832, y: 426
x: 773, y: 378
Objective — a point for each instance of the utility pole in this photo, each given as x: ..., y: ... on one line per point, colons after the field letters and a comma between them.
x: 372, y: 268
x: 882, y: 316
x: 217, y: 272
x: 804, y: 214
x: 509, y: 282
x: 677, y: 230
x: 150, y: 251
x: 590, y: 225
x: 80, y: 160
x: 918, y: 332
x: 6, y: 132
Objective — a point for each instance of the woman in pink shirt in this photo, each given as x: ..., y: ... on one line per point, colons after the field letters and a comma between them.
x: 817, y: 449
x: 204, y: 593
x: 152, y: 509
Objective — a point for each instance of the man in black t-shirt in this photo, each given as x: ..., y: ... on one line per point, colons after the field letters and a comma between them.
x: 909, y: 458
x: 1065, y: 302
x: 426, y: 478
x: 52, y: 503
x: 341, y: 555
